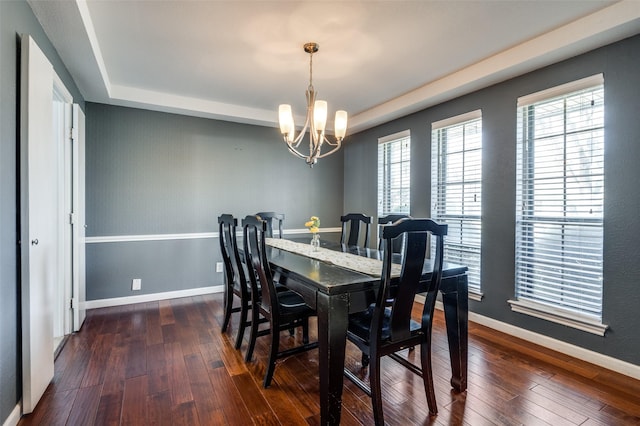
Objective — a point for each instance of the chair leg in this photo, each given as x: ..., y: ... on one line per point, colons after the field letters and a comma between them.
x: 244, y: 308
x: 376, y: 392
x: 427, y: 377
x: 305, y: 331
x: 273, y: 354
x: 364, y: 360
x: 255, y: 318
x: 228, y: 306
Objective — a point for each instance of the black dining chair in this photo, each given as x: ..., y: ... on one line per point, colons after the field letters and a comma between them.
x: 270, y: 218
x: 386, y: 327
x: 351, y: 224
x: 284, y: 310
x: 235, y: 278
x: 398, y: 243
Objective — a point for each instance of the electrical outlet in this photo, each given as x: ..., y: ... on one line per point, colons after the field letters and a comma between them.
x: 219, y: 267
x: 136, y: 284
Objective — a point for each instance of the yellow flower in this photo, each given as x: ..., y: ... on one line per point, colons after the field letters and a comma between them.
x: 313, y: 224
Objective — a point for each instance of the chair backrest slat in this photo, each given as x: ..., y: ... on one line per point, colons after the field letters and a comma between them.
x: 234, y: 271
x: 227, y: 226
x: 351, y: 224
x: 254, y: 234
x: 398, y: 243
x: 270, y: 218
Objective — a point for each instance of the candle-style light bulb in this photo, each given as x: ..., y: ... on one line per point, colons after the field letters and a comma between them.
x: 320, y: 115
x: 340, y: 124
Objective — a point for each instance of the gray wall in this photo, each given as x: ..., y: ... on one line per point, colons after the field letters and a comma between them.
x: 16, y: 18
x: 155, y: 173
x: 620, y: 63
x: 152, y: 173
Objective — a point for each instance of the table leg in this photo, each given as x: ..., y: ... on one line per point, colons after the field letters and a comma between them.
x: 456, y: 315
x: 333, y: 314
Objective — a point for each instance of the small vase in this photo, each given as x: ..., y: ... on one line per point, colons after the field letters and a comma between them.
x: 315, y: 242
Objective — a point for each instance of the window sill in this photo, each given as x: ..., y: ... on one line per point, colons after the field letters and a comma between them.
x: 558, y: 316
x: 475, y: 296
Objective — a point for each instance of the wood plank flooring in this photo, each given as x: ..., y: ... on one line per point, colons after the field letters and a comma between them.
x: 167, y: 363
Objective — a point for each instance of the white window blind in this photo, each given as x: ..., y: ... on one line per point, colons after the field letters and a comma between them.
x: 559, y: 200
x: 394, y: 174
x: 456, y: 191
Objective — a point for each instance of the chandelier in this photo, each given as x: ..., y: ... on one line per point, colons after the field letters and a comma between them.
x: 315, y: 122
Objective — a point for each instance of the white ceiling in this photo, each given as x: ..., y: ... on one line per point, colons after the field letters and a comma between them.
x: 237, y: 60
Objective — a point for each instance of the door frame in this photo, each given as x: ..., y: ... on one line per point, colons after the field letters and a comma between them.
x: 65, y: 198
x: 78, y: 224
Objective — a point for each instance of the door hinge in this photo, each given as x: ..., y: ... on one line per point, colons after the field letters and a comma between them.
x: 72, y: 218
x: 71, y: 304
x: 74, y: 133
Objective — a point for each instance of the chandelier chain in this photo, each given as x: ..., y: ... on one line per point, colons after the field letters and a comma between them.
x: 311, y: 70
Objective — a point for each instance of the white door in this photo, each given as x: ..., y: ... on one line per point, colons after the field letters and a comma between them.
x: 38, y: 221
x: 78, y: 222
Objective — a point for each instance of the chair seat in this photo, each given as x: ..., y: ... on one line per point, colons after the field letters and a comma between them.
x: 279, y: 288
x: 291, y: 303
x: 360, y: 324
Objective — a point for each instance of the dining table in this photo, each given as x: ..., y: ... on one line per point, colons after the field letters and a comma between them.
x: 336, y: 280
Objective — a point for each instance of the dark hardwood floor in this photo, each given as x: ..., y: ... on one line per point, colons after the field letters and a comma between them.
x: 166, y: 363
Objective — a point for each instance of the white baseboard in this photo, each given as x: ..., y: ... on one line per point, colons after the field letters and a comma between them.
x: 128, y: 300
x: 15, y: 415
x: 587, y: 355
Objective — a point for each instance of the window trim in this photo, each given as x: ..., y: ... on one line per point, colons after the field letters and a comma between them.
x: 457, y: 119
x: 404, y: 134
x: 563, y: 89
x: 530, y: 307
x: 398, y: 135
x: 473, y: 294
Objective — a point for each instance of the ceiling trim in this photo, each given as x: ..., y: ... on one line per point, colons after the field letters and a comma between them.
x: 168, y: 102
x: 605, y: 26
x: 83, y: 10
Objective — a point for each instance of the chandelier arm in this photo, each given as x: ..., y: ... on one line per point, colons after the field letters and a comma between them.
x: 293, y: 150
x: 315, y: 144
x: 329, y: 152
x: 296, y: 142
x: 337, y: 142
x: 308, y: 122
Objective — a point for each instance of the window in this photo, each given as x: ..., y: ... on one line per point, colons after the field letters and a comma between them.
x: 394, y: 174
x: 456, y: 190
x: 559, y: 203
